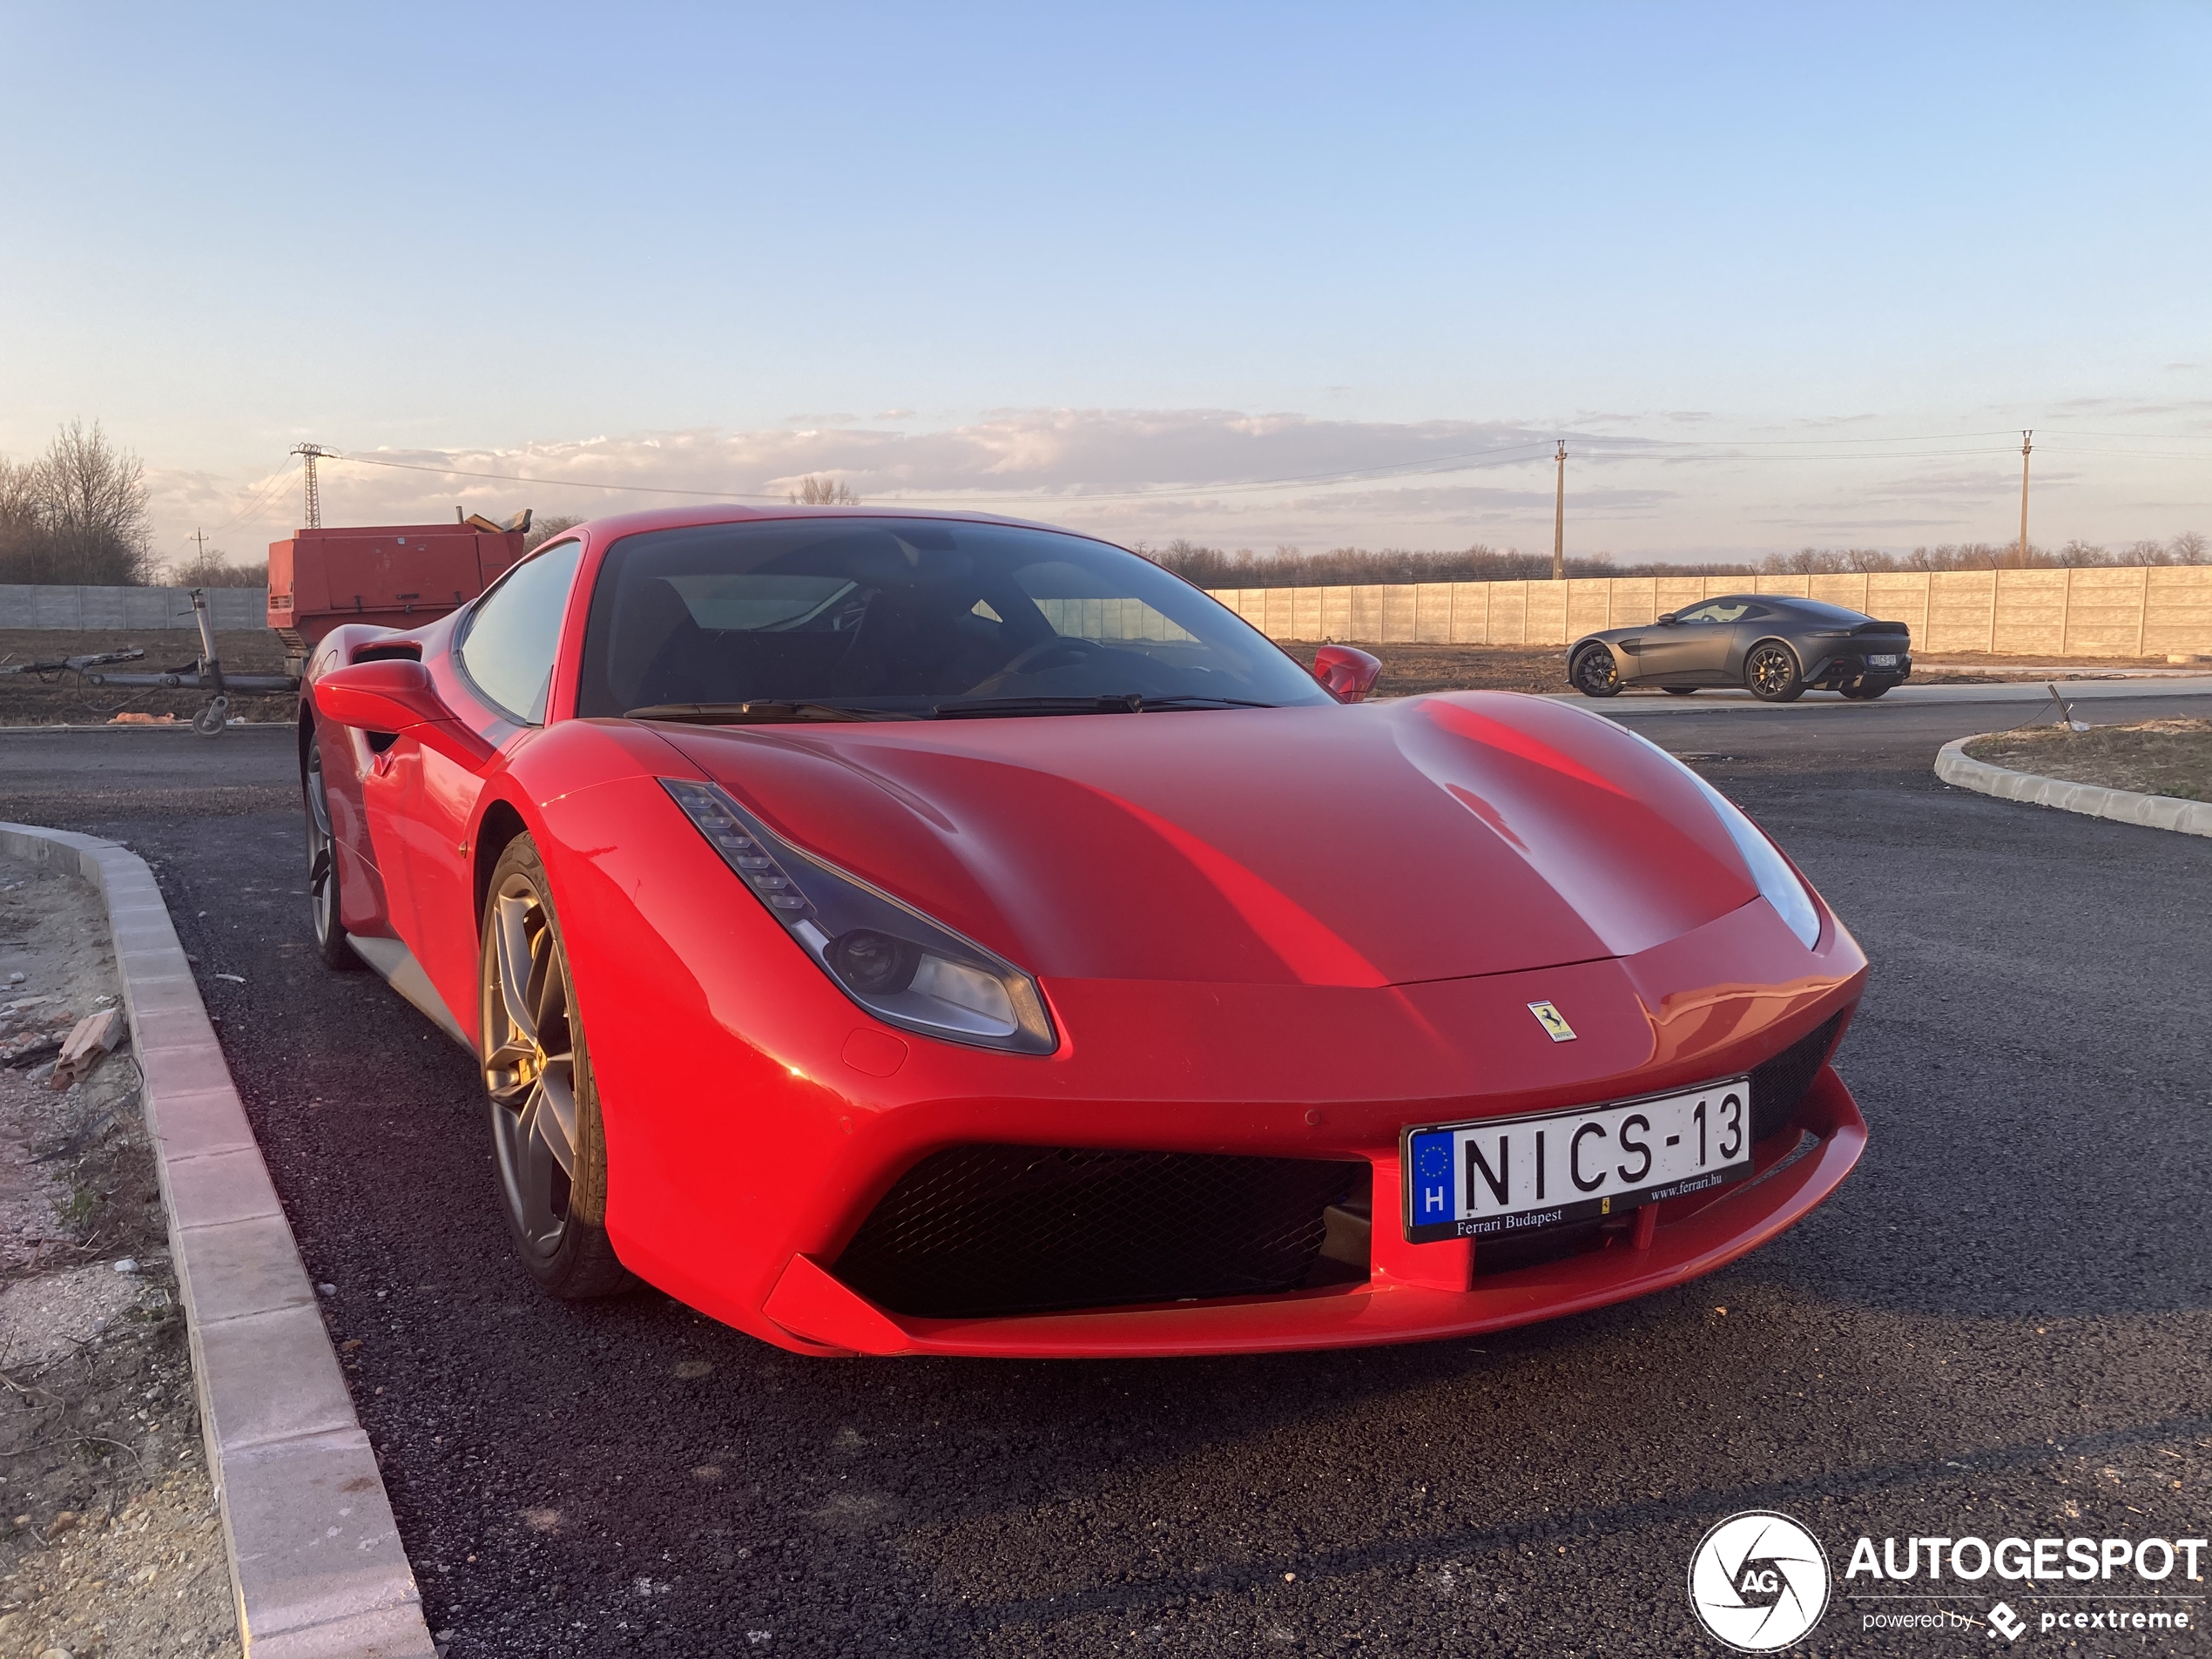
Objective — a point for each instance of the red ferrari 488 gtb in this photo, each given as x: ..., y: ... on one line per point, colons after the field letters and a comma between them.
x: 897, y: 933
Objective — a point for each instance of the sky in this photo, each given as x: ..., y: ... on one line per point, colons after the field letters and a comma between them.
x: 1251, y: 275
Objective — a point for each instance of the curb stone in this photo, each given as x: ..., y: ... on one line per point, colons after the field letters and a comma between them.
x: 1954, y: 765
x: 317, y: 1571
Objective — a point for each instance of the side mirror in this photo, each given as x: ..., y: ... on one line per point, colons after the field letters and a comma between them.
x: 1346, y: 674
x: 1669, y: 616
x: 397, y: 695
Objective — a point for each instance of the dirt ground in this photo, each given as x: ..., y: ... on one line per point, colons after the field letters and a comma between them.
x: 2154, y: 757
x: 110, y: 1544
x: 1410, y: 669
x: 24, y: 700
x: 64, y: 699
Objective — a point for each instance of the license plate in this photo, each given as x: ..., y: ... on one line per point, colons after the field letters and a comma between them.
x: 1506, y: 1175
x: 1882, y: 662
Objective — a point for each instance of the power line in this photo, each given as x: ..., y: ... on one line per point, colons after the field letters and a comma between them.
x: 1618, y: 449
x: 570, y: 483
x: 1133, y: 494
x: 262, y: 496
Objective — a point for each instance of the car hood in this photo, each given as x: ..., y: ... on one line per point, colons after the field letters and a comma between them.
x: 1421, y: 839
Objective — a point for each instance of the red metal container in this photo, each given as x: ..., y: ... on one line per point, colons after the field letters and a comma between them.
x: 400, y: 576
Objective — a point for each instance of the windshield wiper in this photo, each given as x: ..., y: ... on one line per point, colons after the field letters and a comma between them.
x: 1206, y: 700
x: 1118, y: 703
x: 759, y: 712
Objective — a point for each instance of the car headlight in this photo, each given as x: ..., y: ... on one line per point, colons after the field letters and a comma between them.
x: 1778, y: 882
x: 887, y: 956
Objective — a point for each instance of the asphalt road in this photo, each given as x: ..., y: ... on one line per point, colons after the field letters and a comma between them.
x: 2001, y: 1326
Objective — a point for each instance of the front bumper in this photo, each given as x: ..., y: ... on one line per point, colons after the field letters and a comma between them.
x: 1692, y: 1237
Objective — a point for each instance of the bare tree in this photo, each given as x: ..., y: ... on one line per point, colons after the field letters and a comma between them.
x: 22, y: 522
x: 823, y: 492
x: 209, y: 570
x: 93, y: 496
x: 544, y: 529
x: 2189, y: 548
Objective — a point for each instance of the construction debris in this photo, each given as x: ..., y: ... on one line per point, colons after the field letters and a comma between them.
x: 86, y: 1046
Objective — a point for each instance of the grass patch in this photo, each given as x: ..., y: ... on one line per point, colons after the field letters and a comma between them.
x: 2151, y: 758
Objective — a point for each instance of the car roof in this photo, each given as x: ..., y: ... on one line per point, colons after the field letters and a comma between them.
x: 667, y: 518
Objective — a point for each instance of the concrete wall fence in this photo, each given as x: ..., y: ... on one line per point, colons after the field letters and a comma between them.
x: 24, y: 606
x: 2102, y: 611
x: 2105, y: 610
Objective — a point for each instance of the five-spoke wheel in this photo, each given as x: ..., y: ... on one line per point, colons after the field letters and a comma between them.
x: 546, y: 1140
x: 1771, y: 673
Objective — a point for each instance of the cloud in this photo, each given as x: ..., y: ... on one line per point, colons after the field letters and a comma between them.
x: 1224, y: 476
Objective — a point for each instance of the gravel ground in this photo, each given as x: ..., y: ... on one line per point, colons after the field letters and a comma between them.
x: 2001, y: 1326
x: 110, y: 1544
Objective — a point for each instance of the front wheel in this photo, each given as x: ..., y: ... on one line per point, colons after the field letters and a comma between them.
x: 1770, y: 674
x: 1594, y: 672
x: 546, y: 1142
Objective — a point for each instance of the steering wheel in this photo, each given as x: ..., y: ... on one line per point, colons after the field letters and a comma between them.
x: 1068, y: 649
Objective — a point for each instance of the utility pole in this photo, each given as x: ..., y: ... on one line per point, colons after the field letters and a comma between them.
x: 310, y: 453
x: 200, y: 542
x: 2027, y: 444
x: 1559, y: 520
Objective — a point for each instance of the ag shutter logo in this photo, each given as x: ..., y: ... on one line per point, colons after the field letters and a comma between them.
x: 1758, y: 1581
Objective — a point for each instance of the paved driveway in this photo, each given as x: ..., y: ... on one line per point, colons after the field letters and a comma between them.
x: 2001, y: 1326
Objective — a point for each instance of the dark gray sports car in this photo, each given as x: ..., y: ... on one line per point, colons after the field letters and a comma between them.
x: 1772, y: 645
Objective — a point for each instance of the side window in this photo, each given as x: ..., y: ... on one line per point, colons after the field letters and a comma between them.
x: 1719, y: 610
x: 514, y: 631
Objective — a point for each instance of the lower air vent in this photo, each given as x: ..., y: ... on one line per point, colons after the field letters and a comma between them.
x: 1778, y: 1085
x: 980, y: 1230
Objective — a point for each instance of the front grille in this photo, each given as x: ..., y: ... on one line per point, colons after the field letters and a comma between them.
x: 979, y: 1230
x: 1546, y: 1245
x: 1778, y: 1085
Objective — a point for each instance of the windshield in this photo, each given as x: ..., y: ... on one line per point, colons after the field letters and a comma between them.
x: 900, y: 616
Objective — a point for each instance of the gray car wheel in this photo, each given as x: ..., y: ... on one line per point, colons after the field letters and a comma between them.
x: 1594, y: 672
x: 1771, y: 673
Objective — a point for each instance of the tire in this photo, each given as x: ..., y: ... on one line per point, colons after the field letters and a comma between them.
x: 1866, y: 690
x: 1771, y: 673
x: 1679, y: 691
x: 323, y: 866
x: 551, y: 1175
x: 1593, y: 673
